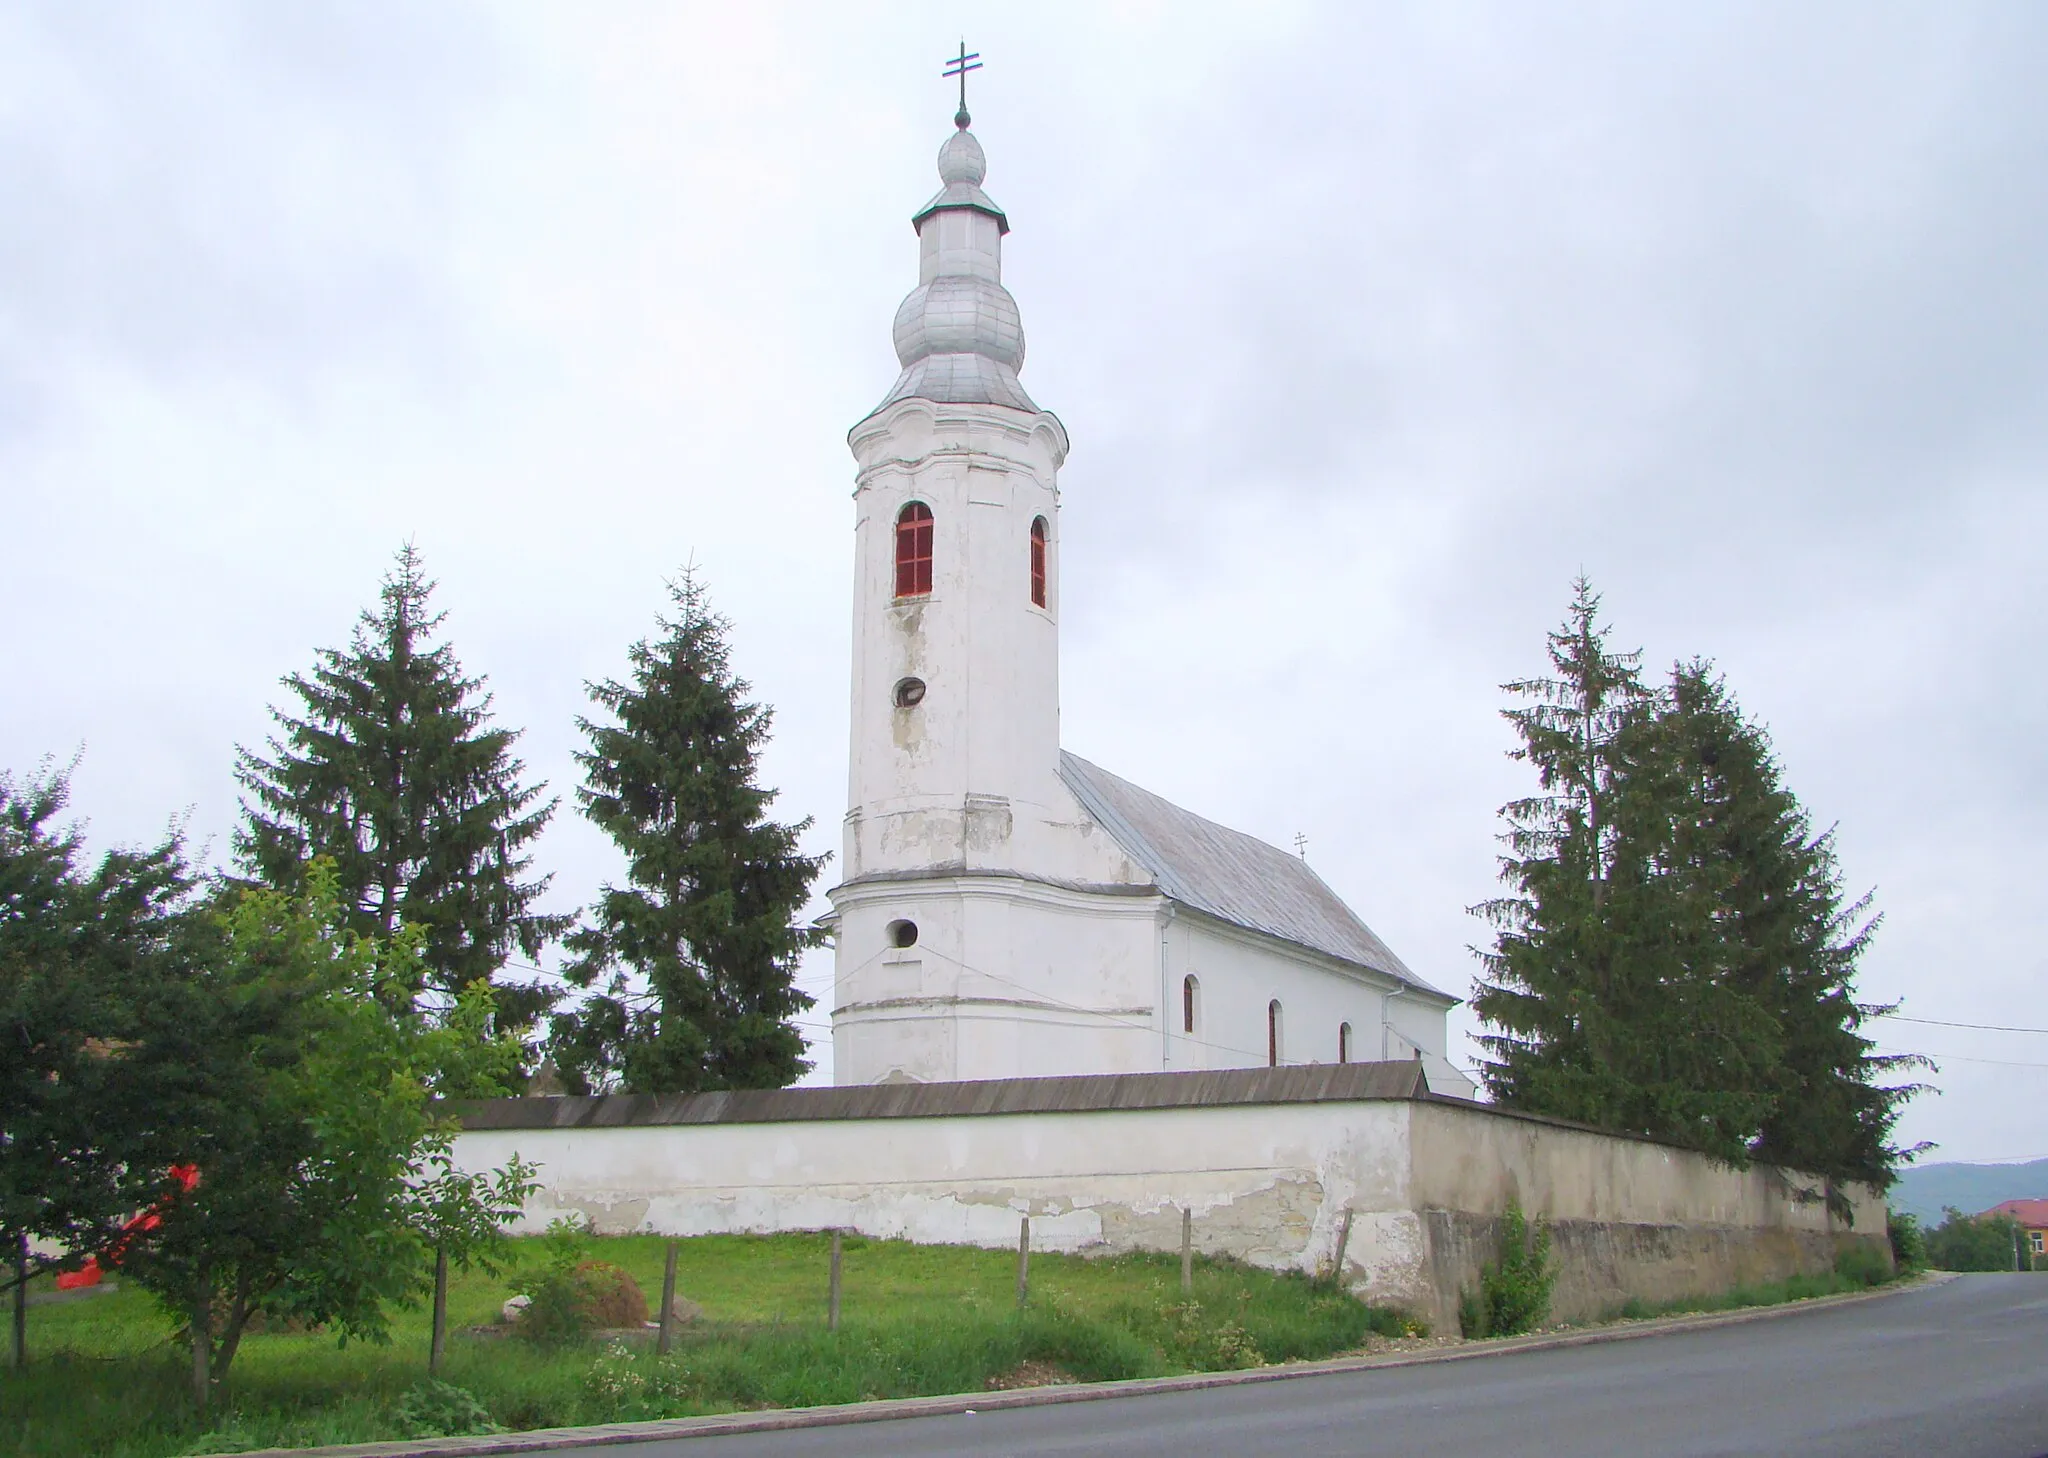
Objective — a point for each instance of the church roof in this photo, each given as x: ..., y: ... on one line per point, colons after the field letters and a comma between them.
x: 1234, y: 877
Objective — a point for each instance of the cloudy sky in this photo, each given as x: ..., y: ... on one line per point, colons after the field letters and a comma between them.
x: 1372, y: 325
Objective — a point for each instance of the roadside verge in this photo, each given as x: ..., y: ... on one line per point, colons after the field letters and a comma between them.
x: 549, y: 1440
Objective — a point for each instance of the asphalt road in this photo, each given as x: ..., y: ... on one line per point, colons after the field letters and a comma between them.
x: 1958, y: 1370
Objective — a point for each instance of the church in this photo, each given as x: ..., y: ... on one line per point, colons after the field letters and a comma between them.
x: 1070, y: 1015
x: 1008, y: 909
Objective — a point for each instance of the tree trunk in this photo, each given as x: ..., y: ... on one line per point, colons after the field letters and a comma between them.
x: 21, y: 1301
x: 238, y: 1321
x: 202, y: 1337
x: 439, y: 1347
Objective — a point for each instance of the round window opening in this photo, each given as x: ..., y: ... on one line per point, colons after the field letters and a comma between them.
x: 903, y: 933
x: 909, y: 694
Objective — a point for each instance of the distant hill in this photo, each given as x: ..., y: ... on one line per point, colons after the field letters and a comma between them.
x: 1924, y: 1190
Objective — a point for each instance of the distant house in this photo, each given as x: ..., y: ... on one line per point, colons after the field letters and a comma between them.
x: 2031, y: 1216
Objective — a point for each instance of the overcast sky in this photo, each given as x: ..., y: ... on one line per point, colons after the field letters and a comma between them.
x: 1372, y: 325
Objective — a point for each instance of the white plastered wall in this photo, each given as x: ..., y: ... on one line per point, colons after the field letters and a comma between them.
x: 1423, y: 1182
x: 1239, y: 974
x: 1008, y: 978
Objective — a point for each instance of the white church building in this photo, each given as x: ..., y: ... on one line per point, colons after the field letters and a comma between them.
x: 1072, y: 1015
x: 1009, y: 909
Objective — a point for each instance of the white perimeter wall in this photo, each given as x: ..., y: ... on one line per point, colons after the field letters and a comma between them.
x: 1268, y: 1183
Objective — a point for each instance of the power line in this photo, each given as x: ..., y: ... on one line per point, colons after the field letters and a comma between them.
x: 1959, y: 1058
x: 1942, y: 1023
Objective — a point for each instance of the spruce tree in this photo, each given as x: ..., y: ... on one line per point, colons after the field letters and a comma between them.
x: 1607, y: 979
x: 1789, y: 937
x: 95, y: 965
x: 392, y: 769
x: 1676, y: 955
x: 1552, y: 974
x: 700, y: 947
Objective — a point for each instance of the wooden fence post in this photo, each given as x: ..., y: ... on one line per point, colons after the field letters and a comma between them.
x: 832, y: 1305
x: 668, y: 1303
x: 1023, y: 1261
x: 1187, y: 1248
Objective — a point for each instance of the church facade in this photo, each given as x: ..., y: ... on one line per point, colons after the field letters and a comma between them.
x: 1009, y: 909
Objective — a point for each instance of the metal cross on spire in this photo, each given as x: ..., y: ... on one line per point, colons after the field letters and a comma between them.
x: 959, y: 66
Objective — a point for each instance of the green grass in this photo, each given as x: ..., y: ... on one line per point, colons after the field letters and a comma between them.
x: 1852, y: 1272
x: 916, y: 1320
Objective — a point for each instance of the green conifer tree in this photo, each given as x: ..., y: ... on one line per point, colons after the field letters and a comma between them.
x: 1550, y: 984
x: 94, y: 962
x: 393, y: 771
x: 1788, y: 936
x: 1676, y: 956
x: 1607, y: 980
x: 701, y: 945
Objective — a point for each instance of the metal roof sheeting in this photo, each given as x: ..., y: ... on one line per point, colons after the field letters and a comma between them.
x: 1234, y: 877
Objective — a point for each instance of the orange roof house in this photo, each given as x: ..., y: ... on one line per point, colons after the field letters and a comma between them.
x: 2031, y: 1216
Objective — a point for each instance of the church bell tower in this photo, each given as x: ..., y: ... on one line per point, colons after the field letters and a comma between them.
x: 950, y: 935
x: 956, y: 551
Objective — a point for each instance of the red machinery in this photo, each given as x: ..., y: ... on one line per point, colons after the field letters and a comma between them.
x: 186, y: 1175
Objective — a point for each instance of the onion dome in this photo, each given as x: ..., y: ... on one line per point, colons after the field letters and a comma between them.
x: 958, y: 335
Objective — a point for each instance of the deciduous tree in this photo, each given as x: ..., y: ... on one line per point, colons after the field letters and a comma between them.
x: 323, y: 1178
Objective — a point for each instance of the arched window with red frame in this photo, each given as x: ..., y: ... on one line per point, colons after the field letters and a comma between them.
x: 1038, y: 562
x: 914, y: 550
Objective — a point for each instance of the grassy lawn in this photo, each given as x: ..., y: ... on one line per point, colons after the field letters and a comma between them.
x: 916, y: 1320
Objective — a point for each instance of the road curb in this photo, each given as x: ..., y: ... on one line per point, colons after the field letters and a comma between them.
x: 552, y: 1440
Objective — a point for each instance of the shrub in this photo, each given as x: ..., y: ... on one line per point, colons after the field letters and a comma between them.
x: 440, y: 1410
x: 1909, y: 1242
x: 1207, y: 1346
x: 1973, y: 1242
x: 612, y: 1298
x: 1861, y: 1265
x: 1514, y: 1292
x: 567, y: 1293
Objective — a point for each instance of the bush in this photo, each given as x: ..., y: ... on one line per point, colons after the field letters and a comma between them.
x: 611, y: 1297
x: 1861, y: 1265
x: 1514, y: 1292
x: 1207, y: 1346
x: 1974, y: 1242
x: 1909, y: 1242
x: 570, y: 1296
x: 439, y: 1410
